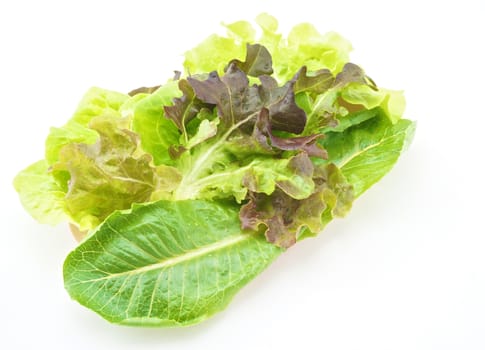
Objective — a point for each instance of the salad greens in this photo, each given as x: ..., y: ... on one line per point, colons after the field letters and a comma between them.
x: 178, y: 272
x: 186, y: 191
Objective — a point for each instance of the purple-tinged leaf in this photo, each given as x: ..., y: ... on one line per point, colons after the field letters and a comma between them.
x: 237, y: 101
x: 258, y: 61
x: 264, y: 135
x: 316, y: 83
x: 234, y: 98
x: 284, y: 113
x: 285, y: 217
x: 143, y: 90
x: 352, y: 73
x: 184, y: 108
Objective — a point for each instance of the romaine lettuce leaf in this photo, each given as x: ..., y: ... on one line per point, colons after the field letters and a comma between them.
x: 367, y: 151
x: 166, y: 263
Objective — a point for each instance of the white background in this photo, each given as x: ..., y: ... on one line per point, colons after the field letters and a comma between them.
x: 405, y: 270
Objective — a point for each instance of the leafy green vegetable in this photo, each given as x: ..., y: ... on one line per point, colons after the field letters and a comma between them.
x: 72, y: 132
x: 305, y: 46
x: 237, y: 101
x: 184, y: 109
x: 319, y: 82
x: 189, y: 189
x: 107, y: 175
x: 40, y: 195
x: 160, y: 265
x: 258, y: 61
x: 96, y: 102
x: 286, y: 217
x: 157, y: 133
x: 99, y: 102
x: 367, y: 151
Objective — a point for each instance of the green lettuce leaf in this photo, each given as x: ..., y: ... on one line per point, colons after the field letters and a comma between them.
x: 95, y: 102
x: 213, y: 54
x: 40, y: 194
x: 305, y: 46
x: 107, y: 175
x: 72, y: 132
x: 390, y: 101
x: 43, y: 186
x: 99, y: 102
x: 261, y: 175
x: 157, y: 133
x: 207, y: 129
x: 139, y: 270
x: 367, y: 151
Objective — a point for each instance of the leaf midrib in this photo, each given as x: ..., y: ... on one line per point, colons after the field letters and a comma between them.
x: 365, y: 149
x: 186, y: 256
x: 250, y: 69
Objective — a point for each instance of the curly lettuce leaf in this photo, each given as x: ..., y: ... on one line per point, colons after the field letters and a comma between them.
x: 263, y: 133
x: 184, y: 108
x: 262, y: 175
x: 95, y: 102
x: 258, y: 61
x: 40, y: 194
x: 315, y: 83
x: 219, y: 167
x: 213, y: 54
x: 346, y: 100
x: 239, y: 102
x: 391, y: 102
x: 108, y: 175
x: 234, y: 97
x: 305, y: 46
x: 287, y: 218
x: 99, y: 102
x: 46, y: 186
x: 72, y: 132
x: 282, y: 215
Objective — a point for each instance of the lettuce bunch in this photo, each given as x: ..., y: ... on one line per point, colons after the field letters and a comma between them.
x: 186, y: 191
